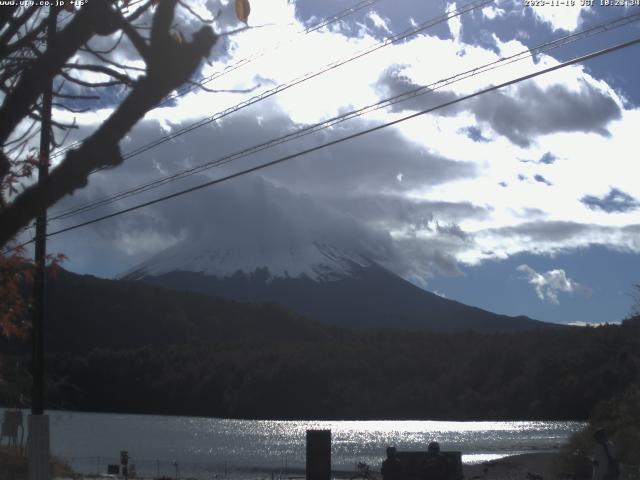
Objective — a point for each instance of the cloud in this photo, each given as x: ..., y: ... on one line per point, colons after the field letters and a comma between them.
x: 475, y: 134
x: 394, y: 82
x: 547, y: 237
x: 369, y: 164
x: 548, y: 158
x: 455, y: 24
x: 430, y: 192
x: 616, y: 201
x: 540, y: 179
x: 379, y: 22
x: 520, y: 113
x: 549, y: 284
x: 565, y: 18
x: 528, y: 110
x: 396, y: 211
x: 491, y: 12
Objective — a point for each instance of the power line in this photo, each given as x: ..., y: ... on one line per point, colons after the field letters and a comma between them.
x: 299, y: 133
x: 245, y: 61
x: 389, y: 40
x: 350, y: 137
x: 308, y: 76
x: 317, y: 26
x: 303, y: 78
x: 334, y: 18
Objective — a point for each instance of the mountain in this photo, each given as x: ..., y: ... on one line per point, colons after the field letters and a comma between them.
x: 85, y: 313
x: 319, y: 280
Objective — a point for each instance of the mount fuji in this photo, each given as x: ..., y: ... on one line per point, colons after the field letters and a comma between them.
x: 319, y: 280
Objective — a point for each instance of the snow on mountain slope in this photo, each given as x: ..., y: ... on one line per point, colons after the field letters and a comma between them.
x: 316, y: 261
x: 325, y: 266
x: 318, y: 280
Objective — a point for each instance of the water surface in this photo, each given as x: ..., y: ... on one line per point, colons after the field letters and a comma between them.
x: 208, y: 448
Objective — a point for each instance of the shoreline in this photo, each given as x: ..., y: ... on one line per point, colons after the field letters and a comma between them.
x: 534, y: 466
x: 530, y: 466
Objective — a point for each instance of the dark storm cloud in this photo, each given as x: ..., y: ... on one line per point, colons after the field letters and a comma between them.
x: 393, y: 82
x: 549, y: 236
x: 396, y: 211
x: 419, y: 258
x: 558, y: 235
x: 616, y: 201
x: 527, y: 111
x: 521, y: 113
x: 380, y: 162
x: 329, y: 194
x: 251, y: 210
x: 250, y: 207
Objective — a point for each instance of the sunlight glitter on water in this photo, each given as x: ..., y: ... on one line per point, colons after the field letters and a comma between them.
x: 475, y: 458
x: 209, y: 444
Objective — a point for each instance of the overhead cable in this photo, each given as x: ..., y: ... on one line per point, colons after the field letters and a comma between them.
x: 303, y: 78
x: 245, y: 61
x: 286, y: 158
x: 307, y: 130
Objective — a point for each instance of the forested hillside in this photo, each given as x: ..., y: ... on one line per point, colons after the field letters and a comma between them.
x: 85, y: 313
x: 139, y: 348
x: 537, y: 375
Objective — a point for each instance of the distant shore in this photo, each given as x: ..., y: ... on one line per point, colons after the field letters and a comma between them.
x: 529, y: 465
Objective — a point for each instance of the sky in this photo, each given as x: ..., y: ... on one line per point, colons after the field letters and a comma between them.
x: 523, y: 201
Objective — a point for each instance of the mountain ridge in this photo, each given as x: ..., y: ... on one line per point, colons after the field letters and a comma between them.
x: 87, y: 312
x: 328, y: 284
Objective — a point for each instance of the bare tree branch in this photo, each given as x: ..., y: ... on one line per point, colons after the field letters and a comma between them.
x: 111, y: 48
x: 170, y: 64
x: 84, y: 83
x: 136, y: 39
x: 6, y: 14
x: 138, y: 13
x: 23, y: 135
x: 125, y: 79
x: 36, y: 116
x: 69, y: 96
x: 92, y: 18
x: 195, y: 14
x: 70, y: 109
x: 15, y: 25
x: 108, y: 61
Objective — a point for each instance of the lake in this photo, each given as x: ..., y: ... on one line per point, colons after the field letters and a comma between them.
x: 217, y: 448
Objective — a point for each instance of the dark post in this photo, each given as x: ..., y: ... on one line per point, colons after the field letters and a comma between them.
x: 39, y: 423
x: 37, y: 405
x: 318, y: 454
x: 124, y: 461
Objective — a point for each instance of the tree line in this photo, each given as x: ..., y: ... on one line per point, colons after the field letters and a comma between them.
x: 545, y: 374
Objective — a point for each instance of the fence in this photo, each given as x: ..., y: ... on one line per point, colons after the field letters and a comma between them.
x: 179, y: 469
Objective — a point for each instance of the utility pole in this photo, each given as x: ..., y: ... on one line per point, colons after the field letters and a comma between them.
x: 38, y: 443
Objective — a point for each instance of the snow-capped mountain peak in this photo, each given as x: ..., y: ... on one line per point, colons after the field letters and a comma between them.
x: 316, y: 260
